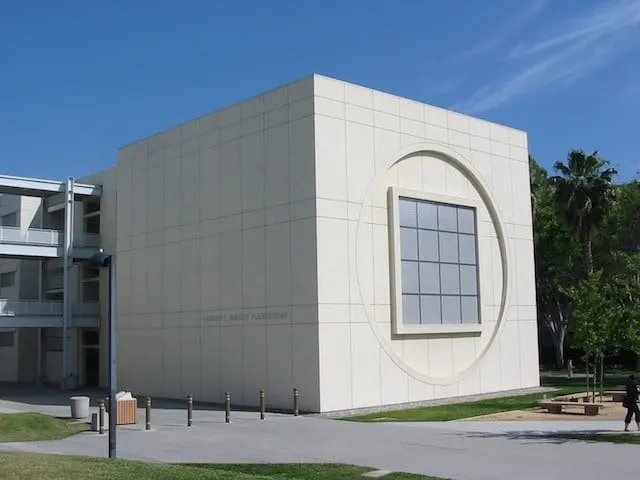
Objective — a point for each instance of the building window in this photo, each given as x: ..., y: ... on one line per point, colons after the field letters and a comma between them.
x: 53, y: 344
x: 437, y: 264
x: 91, y: 291
x: 92, y: 224
x: 92, y: 206
x: 90, y: 337
x: 89, y: 272
x: 6, y: 339
x: 10, y: 220
x: 7, y: 279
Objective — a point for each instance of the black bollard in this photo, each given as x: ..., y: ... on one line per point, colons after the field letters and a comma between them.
x: 189, y: 410
x: 227, y: 407
x: 296, y: 394
x: 147, y: 411
x: 101, y: 418
x: 261, y: 404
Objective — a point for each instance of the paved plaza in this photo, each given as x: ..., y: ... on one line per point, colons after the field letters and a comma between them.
x: 456, y: 450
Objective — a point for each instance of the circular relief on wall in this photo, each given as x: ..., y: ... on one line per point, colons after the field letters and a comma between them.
x: 453, y: 158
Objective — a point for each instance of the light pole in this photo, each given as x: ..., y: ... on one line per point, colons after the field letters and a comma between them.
x: 101, y: 260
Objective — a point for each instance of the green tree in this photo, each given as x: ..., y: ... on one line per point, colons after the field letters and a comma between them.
x: 596, y: 311
x: 597, y: 315
x: 539, y: 180
x: 625, y: 282
x: 585, y: 193
x: 623, y: 224
x: 557, y: 253
x: 606, y: 308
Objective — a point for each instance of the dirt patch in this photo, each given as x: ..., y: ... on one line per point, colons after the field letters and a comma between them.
x: 610, y: 411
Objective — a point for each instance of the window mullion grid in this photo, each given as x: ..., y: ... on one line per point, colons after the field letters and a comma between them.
x: 439, y: 262
x: 476, y: 247
x: 459, y: 264
x: 421, y: 255
x: 417, y: 233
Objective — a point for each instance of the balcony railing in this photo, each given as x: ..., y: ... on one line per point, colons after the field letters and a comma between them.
x: 88, y: 240
x: 20, y: 308
x: 86, y: 309
x: 31, y: 236
x: 35, y: 236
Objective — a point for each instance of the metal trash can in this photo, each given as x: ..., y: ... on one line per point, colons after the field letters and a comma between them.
x: 80, y: 407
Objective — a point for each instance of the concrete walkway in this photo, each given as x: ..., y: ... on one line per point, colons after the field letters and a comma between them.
x: 456, y: 450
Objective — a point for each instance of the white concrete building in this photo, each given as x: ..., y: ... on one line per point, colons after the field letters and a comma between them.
x: 364, y: 248
x: 18, y: 280
x: 32, y: 285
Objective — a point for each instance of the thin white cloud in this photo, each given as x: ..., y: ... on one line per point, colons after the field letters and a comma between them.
x: 513, y: 26
x: 446, y: 86
x: 578, y: 46
x: 608, y: 18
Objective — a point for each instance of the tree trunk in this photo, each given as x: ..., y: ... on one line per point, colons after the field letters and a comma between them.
x: 558, y: 345
x: 601, y: 376
x: 588, y: 253
x: 586, y: 369
x: 595, y: 377
x: 557, y: 325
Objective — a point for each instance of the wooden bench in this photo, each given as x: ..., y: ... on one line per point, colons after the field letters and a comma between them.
x: 590, y: 409
x: 576, y: 397
x: 616, y: 395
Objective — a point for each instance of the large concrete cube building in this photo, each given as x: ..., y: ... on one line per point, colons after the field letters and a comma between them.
x: 364, y: 248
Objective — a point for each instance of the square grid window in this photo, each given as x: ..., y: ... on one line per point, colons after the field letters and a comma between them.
x: 439, y: 263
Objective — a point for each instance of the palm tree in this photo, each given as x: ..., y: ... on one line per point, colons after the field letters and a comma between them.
x: 585, y: 192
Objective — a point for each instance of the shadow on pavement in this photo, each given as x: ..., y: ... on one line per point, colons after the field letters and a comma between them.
x: 53, y: 396
x: 536, y: 436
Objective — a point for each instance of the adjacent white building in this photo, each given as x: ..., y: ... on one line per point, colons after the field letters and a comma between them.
x: 33, y: 279
x: 364, y: 248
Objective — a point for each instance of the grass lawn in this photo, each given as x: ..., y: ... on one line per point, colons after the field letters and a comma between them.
x: 623, y: 437
x: 579, y: 370
x: 443, y: 413
x: 30, y: 427
x: 29, y: 466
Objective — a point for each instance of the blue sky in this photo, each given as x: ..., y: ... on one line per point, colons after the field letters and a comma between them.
x: 79, y: 79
